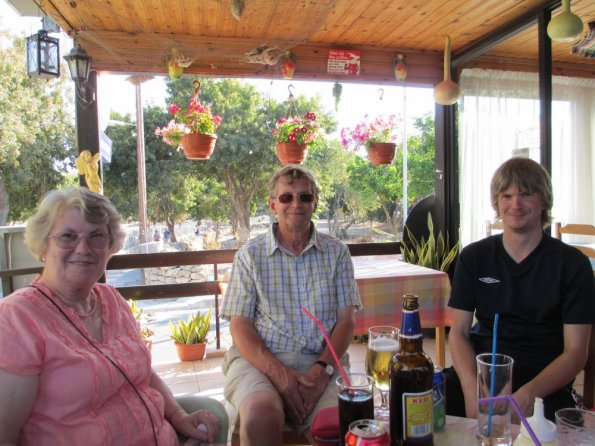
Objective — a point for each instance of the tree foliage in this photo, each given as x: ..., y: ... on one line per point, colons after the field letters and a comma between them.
x: 233, y: 184
x: 36, y: 133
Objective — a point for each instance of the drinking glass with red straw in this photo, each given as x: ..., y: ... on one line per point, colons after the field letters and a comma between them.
x: 330, y: 345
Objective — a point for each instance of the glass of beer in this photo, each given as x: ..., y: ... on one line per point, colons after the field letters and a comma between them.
x: 383, y: 343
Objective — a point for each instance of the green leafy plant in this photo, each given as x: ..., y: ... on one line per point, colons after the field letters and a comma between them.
x: 431, y: 253
x: 192, y: 331
x: 145, y: 332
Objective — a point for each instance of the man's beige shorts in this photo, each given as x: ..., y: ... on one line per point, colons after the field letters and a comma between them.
x: 242, y: 378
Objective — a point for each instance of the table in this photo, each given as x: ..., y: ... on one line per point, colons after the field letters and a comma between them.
x: 461, y: 431
x: 383, y: 280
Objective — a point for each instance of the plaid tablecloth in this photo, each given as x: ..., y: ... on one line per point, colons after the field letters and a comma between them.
x: 382, y: 282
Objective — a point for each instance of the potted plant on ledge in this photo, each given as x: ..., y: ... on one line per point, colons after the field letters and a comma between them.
x: 145, y: 332
x: 378, y: 136
x: 192, y: 128
x: 190, y: 336
x: 293, y: 136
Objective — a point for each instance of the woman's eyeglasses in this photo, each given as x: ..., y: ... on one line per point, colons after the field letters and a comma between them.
x: 69, y: 240
x: 305, y: 197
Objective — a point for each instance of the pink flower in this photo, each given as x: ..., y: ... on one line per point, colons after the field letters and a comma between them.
x: 174, y: 109
x: 369, y: 131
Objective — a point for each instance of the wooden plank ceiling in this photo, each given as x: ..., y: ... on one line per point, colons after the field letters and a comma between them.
x: 140, y: 36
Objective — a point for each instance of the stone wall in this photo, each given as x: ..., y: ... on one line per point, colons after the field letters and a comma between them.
x: 178, y: 274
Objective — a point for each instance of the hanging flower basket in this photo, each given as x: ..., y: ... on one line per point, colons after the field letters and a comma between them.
x: 291, y: 152
x: 193, y: 128
x: 381, y: 152
x: 198, y: 146
x: 293, y: 135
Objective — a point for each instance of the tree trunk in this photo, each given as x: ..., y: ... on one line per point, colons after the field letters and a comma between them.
x: 241, y: 196
x: 4, y: 202
x: 171, y: 226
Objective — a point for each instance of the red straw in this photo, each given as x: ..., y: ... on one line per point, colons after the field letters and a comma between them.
x: 330, y: 346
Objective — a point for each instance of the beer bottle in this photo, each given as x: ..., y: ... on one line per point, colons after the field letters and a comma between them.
x: 411, y: 375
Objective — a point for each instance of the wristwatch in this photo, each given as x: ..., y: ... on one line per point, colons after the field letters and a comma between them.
x: 328, y: 369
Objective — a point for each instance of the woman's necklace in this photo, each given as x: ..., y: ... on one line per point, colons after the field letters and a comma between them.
x: 82, y: 314
x: 91, y: 311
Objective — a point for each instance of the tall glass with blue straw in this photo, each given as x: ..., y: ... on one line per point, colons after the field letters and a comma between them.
x: 494, y: 378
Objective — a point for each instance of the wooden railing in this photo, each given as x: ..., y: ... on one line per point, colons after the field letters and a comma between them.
x: 203, y: 288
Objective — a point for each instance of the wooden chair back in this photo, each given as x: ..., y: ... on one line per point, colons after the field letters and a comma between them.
x: 577, y: 229
x: 492, y: 226
x: 589, y: 378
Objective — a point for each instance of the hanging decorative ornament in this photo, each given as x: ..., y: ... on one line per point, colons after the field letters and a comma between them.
x: 237, y: 8
x: 400, y: 67
x: 566, y: 26
x: 176, y: 64
x: 288, y: 65
x: 175, y: 71
x: 337, y: 90
x: 447, y: 92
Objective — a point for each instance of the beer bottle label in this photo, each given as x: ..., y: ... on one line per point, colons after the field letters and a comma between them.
x: 417, y: 415
x: 410, y: 324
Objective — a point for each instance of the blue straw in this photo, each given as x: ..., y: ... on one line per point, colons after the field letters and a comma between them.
x: 493, y: 374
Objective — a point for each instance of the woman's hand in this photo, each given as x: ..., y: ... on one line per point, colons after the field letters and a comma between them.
x: 188, y: 424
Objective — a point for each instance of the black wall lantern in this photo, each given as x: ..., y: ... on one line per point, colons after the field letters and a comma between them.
x: 79, y: 64
x: 43, y: 55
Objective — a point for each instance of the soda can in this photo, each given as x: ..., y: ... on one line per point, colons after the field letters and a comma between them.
x: 439, y: 399
x: 366, y: 433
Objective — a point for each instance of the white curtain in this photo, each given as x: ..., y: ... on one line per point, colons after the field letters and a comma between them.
x: 499, y: 118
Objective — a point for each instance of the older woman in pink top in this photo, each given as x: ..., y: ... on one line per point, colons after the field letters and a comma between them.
x: 73, y: 367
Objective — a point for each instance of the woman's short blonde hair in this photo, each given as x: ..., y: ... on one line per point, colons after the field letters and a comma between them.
x: 94, y: 208
x: 528, y: 175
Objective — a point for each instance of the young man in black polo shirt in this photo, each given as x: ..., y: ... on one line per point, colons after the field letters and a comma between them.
x: 542, y: 289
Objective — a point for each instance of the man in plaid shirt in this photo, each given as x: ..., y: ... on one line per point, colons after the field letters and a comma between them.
x: 279, y: 368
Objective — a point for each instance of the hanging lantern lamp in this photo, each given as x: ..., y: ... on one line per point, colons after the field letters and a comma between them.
x: 79, y: 63
x: 43, y: 55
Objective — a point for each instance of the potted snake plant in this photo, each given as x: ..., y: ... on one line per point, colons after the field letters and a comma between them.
x: 190, y: 336
x: 432, y: 253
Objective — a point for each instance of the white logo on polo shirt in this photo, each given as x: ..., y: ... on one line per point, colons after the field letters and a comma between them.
x: 488, y: 280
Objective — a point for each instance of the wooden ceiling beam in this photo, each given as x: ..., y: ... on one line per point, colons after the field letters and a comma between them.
x: 225, y: 57
x: 501, y: 34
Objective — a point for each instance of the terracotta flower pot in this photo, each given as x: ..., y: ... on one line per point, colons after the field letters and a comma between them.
x: 291, y: 152
x: 191, y: 352
x: 381, y: 152
x: 198, y: 146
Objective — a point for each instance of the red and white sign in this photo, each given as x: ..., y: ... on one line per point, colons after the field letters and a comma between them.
x: 343, y: 62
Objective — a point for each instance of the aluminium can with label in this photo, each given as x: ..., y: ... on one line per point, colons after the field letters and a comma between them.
x: 366, y: 433
x: 439, y: 399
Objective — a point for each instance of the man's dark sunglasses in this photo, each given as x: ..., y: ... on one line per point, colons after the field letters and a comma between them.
x: 305, y: 197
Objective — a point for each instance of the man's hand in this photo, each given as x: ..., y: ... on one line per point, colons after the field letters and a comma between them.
x: 288, y: 382
x: 312, y: 386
